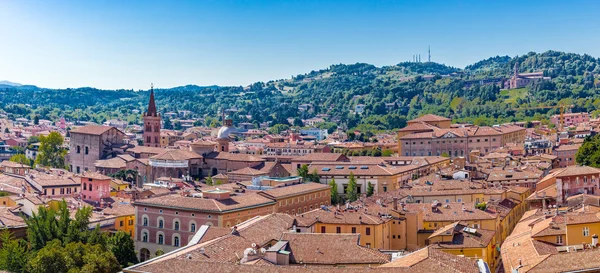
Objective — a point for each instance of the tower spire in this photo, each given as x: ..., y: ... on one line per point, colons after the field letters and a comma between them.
x: 151, y: 104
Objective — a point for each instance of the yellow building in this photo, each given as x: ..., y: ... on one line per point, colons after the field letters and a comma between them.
x: 124, y: 213
x: 459, y: 239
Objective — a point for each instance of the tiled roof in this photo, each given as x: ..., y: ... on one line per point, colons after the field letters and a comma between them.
x: 567, y: 147
x: 450, y: 212
x: 146, y: 150
x: 176, y: 155
x: 92, y: 130
x: 578, y: 170
x: 332, y: 216
x: 463, y: 239
x: 233, y: 157
x: 113, y: 163
x: 95, y: 175
x: 417, y: 126
x: 429, y: 117
x: 330, y: 249
x: 297, y: 189
x: 10, y: 164
x: 8, y: 219
x: 429, y: 259
x: 321, y: 157
x: 204, y: 204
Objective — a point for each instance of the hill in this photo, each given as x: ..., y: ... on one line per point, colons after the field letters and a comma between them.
x: 391, y: 94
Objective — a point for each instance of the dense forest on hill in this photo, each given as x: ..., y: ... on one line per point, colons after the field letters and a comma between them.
x: 391, y: 95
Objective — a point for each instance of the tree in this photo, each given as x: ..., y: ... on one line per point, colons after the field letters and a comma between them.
x: 159, y: 252
x: 168, y: 124
x: 6, y: 131
x: 177, y: 125
x: 298, y: 122
x: 370, y: 189
x: 21, y: 158
x: 51, y: 153
x: 208, y: 181
x: 387, y: 152
x: 121, y: 245
x: 444, y: 154
x: 335, y: 198
x: 303, y: 172
x: 314, y: 176
x: 589, y: 153
x: 49, y: 259
x: 352, y: 190
x: 18, y: 149
x: 33, y: 139
x: 74, y: 257
x: 278, y: 128
x: 13, y: 254
x: 36, y: 120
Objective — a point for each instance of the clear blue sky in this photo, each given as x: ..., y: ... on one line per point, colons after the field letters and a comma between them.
x: 128, y: 44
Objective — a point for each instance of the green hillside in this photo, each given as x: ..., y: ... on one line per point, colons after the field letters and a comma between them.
x: 408, y: 89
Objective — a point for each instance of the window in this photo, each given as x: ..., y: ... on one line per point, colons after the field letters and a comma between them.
x: 338, y: 230
x: 176, y: 241
x: 475, y: 225
x: 459, y: 200
x: 368, y: 231
x: 161, y: 239
x: 353, y: 230
x: 176, y: 225
x: 368, y: 245
x: 559, y: 240
x: 84, y: 186
x: 586, y: 231
x: 121, y: 223
x: 161, y: 223
x: 323, y: 229
x: 145, y: 221
x: 193, y: 227
x: 145, y: 236
x: 87, y: 150
x: 78, y: 149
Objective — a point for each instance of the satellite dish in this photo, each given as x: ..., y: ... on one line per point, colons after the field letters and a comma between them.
x: 253, y: 245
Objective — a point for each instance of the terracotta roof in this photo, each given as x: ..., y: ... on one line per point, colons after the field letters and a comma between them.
x: 233, y: 157
x: 10, y: 164
x: 332, y: 216
x: 568, y: 147
x: 8, y: 219
x: 120, y: 209
x: 578, y: 170
x: 297, y: 189
x: 429, y: 259
x: 463, y: 239
x: 204, y: 204
x: 92, y: 130
x: 94, y: 175
x: 330, y: 249
x: 113, y: 163
x: 321, y: 157
x: 450, y: 212
x: 176, y: 155
x: 429, y: 117
x: 417, y: 126
x: 146, y: 150
x: 583, y: 218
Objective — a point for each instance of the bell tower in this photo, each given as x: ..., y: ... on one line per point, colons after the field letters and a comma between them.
x: 152, y: 123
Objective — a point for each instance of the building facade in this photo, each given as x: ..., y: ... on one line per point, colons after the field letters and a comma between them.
x: 91, y: 143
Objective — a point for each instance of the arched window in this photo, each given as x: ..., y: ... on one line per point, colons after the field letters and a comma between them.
x: 161, y: 223
x: 161, y: 239
x: 144, y: 254
x: 193, y: 227
x: 156, y: 128
x: 145, y: 236
x: 84, y: 186
x: 78, y: 149
x: 176, y: 225
x: 176, y: 241
x: 145, y: 220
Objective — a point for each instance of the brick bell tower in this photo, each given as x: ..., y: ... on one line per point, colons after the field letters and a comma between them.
x: 152, y: 123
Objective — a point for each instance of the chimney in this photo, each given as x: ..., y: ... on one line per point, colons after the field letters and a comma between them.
x: 396, y: 203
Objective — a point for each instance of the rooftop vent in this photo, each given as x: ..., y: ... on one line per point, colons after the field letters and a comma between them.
x: 339, y: 167
x: 326, y: 169
x: 352, y: 167
x: 364, y: 167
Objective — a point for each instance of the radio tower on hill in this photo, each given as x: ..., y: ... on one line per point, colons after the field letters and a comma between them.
x: 429, y: 54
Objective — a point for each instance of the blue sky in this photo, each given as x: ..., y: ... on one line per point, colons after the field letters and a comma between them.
x: 129, y: 44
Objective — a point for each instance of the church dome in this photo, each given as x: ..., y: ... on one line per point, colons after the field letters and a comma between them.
x: 224, y: 132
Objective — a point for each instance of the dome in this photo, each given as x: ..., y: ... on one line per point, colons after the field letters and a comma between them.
x: 225, y: 131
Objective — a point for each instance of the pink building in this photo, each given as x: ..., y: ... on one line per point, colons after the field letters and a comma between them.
x: 95, y: 186
x: 571, y: 119
x: 571, y: 181
x: 566, y: 154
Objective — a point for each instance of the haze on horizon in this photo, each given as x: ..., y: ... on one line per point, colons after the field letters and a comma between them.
x: 116, y: 44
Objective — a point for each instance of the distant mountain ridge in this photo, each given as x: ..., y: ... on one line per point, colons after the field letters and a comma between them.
x: 390, y: 95
x: 8, y: 83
